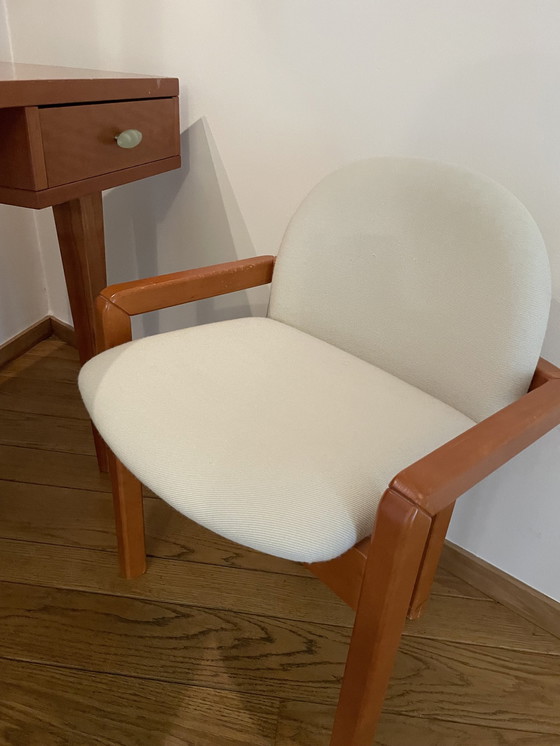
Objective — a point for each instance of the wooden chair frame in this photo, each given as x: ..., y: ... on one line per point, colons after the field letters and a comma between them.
x: 388, y: 576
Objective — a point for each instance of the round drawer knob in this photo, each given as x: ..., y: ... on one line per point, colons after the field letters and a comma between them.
x: 129, y: 139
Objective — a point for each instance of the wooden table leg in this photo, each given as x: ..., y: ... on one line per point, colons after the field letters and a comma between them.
x: 79, y: 226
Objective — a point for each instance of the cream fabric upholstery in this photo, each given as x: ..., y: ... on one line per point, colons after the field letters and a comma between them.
x: 262, y: 433
x: 409, y: 299
x: 434, y: 273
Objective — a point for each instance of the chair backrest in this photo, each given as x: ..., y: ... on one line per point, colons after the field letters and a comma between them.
x: 432, y: 272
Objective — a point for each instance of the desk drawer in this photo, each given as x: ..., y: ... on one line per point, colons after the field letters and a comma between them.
x: 79, y: 141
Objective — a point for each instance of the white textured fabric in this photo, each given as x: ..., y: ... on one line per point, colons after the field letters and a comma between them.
x: 262, y: 433
x: 434, y: 273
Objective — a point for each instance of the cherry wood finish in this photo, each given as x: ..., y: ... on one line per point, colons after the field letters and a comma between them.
x: 79, y: 141
x: 397, y: 546
x: 129, y: 518
x: 164, y: 291
x: 437, y: 480
x: 80, y: 231
x: 114, y: 307
x: 23, y: 163
x: 344, y: 574
x: 65, y: 192
x: 79, y: 226
x: 44, y: 85
x: 56, y: 150
x: 430, y: 562
x: 57, y: 147
x: 544, y: 372
x: 392, y: 576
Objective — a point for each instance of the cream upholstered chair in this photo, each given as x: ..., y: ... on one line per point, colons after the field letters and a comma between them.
x: 408, y: 306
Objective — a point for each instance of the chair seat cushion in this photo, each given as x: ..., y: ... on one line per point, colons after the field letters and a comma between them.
x: 262, y: 433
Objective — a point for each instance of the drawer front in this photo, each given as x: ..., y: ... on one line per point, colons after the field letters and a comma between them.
x: 79, y: 141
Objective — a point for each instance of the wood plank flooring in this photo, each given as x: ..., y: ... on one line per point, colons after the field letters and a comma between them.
x: 216, y: 644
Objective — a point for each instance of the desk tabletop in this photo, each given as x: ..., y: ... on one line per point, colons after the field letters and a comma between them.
x: 43, y: 85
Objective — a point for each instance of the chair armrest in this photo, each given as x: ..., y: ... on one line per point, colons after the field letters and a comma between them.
x: 544, y: 372
x: 117, y: 303
x: 437, y: 480
x: 155, y: 293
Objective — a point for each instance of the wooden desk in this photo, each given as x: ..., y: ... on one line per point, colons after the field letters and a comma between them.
x: 58, y: 148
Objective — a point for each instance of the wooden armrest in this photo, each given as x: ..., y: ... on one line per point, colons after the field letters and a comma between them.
x: 437, y: 480
x: 117, y: 303
x: 544, y: 372
x: 155, y: 293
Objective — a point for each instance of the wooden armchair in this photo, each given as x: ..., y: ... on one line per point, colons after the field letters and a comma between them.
x: 387, y: 575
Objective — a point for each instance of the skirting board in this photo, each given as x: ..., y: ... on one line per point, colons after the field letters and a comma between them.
x: 63, y: 331
x: 524, y: 600
x: 29, y: 337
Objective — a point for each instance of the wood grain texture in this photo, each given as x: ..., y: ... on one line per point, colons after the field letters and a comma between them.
x: 270, y: 656
x: 22, y: 84
x: 63, y: 331
x: 48, y: 467
x: 21, y: 153
x: 474, y: 684
x: 40, y: 397
x: 65, y: 192
x: 310, y: 724
x: 48, y: 368
x: 203, y: 647
x: 24, y: 340
x: 49, y: 706
x: 217, y: 644
x: 81, y: 238
x: 521, y: 598
x: 46, y: 433
x: 53, y: 347
x: 79, y: 141
x: 481, y: 623
x: 47, y: 514
x: 168, y: 580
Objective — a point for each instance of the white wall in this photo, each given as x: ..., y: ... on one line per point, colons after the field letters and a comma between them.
x: 23, y: 298
x: 291, y: 89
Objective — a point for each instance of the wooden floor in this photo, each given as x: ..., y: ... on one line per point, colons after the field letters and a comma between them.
x: 216, y: 644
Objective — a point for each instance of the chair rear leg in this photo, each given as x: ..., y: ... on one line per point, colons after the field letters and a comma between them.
x: 396, y: 551
x: 129, y: 518
x: 430, y: 561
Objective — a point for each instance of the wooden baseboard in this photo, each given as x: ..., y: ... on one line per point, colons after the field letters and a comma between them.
x: 25, y: 340
x: 63, y: 331
x: 29, y: 337
x: 521, y: 598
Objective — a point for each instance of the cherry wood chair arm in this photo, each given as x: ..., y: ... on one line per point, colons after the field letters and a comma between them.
x: 437, y: 480
x: 117, y: 303
x: 164, y: 291
x: 544, y: 372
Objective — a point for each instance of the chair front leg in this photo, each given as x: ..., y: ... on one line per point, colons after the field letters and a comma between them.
x: 129, y: 518
x: 398, y: 544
